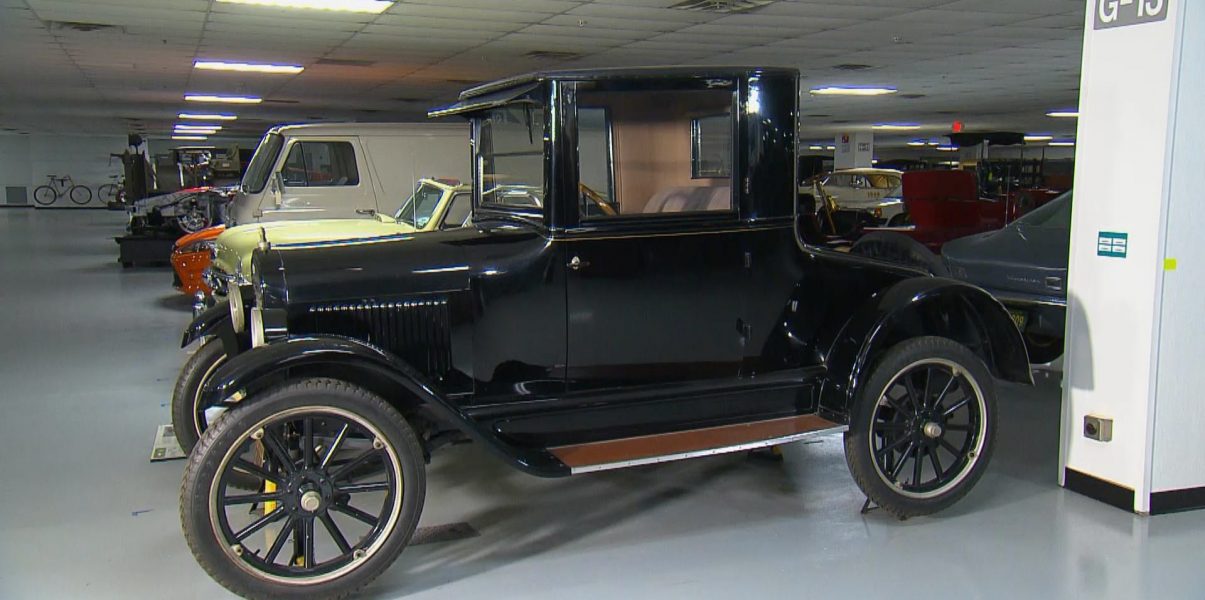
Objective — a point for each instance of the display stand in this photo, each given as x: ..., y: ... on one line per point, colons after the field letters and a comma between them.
x: 144, y: 250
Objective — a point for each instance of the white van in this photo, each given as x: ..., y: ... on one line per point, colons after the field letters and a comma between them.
x: 345, y: 170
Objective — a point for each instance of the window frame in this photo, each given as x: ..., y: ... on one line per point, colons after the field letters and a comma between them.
x: 696, y: 140
x: 298, y: 144
x: 661, y: 219
x: 614, y: 202
x: 540, y: 98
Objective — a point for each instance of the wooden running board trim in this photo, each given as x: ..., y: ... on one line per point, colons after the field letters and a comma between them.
x: 676, y: 445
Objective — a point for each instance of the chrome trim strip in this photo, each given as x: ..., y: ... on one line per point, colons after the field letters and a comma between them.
x: 1031, y: 300
x: 652, y: 460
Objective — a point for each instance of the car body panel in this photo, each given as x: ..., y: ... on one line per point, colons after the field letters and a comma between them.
x: 1023, y: 264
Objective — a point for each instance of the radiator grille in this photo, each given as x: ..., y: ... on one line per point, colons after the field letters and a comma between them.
x: 416, y: 330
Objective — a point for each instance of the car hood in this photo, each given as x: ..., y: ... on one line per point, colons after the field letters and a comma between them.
x: 233, y: 248
x: 402, y: 266
x: 1016, y: 259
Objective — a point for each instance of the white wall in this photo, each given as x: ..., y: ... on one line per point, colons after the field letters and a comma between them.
x: 1179, y: 414
x: 26, y: 160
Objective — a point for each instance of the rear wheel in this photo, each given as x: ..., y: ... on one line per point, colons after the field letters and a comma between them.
x: 923, y: 428
x: 341, y: 489
x: 1043, y: 348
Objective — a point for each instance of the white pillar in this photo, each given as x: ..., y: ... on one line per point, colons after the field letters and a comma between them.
x: 855, y: 149
x: 1136, y: 315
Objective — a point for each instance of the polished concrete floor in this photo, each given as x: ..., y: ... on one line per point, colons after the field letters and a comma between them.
x: 88, y: 353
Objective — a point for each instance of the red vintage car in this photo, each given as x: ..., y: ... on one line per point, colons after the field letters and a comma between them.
x: 943, y: 206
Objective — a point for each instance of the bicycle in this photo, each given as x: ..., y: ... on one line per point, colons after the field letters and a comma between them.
x: 48, y: 194
x: 110, y: 192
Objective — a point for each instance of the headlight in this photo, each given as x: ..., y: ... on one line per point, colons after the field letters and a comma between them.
x: 238, y: 317
x: 201, y: 246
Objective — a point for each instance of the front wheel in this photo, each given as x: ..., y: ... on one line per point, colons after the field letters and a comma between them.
x: 923, y: 427
x: 45, y: 195
x: 341, y: 487
x: 189, y: 418
x: 80, y: 194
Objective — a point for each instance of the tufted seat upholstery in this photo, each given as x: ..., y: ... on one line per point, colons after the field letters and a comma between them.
x: 690, y: 199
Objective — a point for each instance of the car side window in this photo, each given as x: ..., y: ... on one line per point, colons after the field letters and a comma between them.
x: 321, y: 164
x: 459, y: 207
x: 654, y: 154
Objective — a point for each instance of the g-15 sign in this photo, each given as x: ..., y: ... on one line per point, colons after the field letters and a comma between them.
x: 1119, y: 13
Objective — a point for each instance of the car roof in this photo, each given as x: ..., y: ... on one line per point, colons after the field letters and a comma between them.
x: 367, y: 128
x: 620, y: 73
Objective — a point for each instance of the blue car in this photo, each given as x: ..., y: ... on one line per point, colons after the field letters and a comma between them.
x: 1024, y: 265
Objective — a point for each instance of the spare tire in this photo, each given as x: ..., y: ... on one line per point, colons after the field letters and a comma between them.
x: 900, y: 249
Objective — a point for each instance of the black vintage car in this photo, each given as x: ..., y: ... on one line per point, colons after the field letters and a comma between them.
x: 633, y: 289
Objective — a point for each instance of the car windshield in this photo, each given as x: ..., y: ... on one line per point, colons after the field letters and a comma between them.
x: 260, y: 168
x: 1056, y: 213
x: 511, y: 155
x: 418, y: 208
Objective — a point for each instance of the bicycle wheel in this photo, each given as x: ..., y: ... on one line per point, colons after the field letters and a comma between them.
x: 107, y: 192
x: 45, y: 195
x: 80, y: 194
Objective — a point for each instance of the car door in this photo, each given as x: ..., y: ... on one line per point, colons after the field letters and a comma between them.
x: 321, y: 179
x: 653, y: 292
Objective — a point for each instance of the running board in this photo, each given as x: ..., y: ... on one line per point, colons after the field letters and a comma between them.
x: 678, y: 445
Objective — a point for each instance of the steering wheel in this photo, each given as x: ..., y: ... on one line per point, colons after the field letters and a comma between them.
x: 597, y: 199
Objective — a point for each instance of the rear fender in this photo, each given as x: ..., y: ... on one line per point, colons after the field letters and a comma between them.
x: 921, y: 306
x: 239, y: 380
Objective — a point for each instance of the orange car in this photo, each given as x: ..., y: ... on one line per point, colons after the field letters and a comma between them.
x: 191, y: 256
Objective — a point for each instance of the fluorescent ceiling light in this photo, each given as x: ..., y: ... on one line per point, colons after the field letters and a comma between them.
x: 815, y: 147
x: 934, y: 143
x: 1064, y: 114
x: 190, y: 138
x: 917, y: 143
x: 841, y: 90
x: 222, y: 99
x: 218, y: 65
x: 364, y: 6
x: 206, y: 117
x: 830, y: 147
x: 947, y: 148
x: 195, y: 131
x: 1038, y: 137
x: 895, y: 126
x: 186, y: 126
x: 1063, y: 143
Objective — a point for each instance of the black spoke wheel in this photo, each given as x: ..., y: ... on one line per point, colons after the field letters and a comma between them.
x: 340, y: 489
x: 923, y: 428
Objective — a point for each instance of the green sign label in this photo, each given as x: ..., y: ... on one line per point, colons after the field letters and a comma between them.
x: 1111, y: 243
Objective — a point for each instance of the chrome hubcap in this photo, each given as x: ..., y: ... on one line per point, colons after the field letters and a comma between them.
x: 932, y: 430
x: 310, y: 501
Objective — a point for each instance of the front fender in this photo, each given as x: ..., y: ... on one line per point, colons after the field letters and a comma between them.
x: 239, y: 379
x: 921, y: 306
x: 207, y: 323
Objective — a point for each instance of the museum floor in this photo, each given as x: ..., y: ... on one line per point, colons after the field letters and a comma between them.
x: 89, y: 351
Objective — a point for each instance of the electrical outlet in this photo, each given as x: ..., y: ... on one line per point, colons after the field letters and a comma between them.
x: 1098, y: 428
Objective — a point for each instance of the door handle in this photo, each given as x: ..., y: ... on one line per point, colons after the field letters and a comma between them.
x: 576, y: 263
x: 366, y: 211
